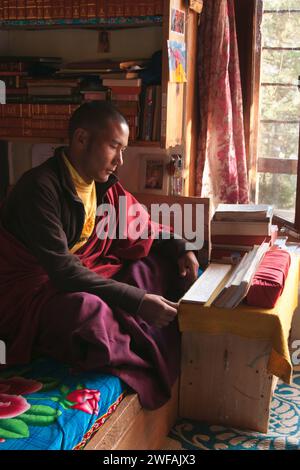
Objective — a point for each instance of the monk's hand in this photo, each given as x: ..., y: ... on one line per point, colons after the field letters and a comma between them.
x: 156, y: 310
x: 188, y: 267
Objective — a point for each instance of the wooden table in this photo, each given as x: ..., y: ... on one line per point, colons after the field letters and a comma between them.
x: 224, y: 375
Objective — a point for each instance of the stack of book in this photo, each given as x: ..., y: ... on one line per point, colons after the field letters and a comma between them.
x: 225, y: 285
x: 74, y: 84
x: 236, y: 228
x: 14, y: 82
x: 35, y: 108
x: 15, y: 70
x: 102, y: 68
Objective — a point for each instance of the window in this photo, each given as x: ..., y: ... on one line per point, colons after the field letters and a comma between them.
x: 277, y: 146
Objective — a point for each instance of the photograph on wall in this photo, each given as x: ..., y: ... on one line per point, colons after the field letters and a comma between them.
x: 177, y: 21
x: 153, y: 174
x: 177, y: 61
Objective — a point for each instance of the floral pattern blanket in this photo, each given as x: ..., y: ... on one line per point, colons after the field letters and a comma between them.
x: 44, y: 406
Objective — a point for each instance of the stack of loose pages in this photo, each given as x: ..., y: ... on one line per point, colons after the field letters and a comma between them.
x: 224, y: 285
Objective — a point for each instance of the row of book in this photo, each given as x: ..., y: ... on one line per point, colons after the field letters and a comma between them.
x: 35, y: 120
x: 38, y: 109
x: 77, y: 9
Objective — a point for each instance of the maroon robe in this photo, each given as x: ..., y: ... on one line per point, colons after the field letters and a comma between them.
x: 80, y: 328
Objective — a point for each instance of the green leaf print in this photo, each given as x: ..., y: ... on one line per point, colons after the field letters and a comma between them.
x: 13, y: 428
x: 40, y: 415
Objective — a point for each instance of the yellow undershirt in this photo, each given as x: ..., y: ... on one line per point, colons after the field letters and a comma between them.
x: 87, y: 193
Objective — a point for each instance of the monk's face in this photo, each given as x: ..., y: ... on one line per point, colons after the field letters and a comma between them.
x: 104, y: 151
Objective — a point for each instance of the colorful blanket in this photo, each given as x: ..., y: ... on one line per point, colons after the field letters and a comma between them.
x: 43, y: 406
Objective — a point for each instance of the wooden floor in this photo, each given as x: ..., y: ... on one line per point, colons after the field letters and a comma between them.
x: 132, y: 428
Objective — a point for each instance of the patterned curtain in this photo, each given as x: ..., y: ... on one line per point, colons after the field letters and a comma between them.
x: 221, y: 170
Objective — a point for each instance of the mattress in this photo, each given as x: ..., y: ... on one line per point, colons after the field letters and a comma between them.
x: 44, y: 406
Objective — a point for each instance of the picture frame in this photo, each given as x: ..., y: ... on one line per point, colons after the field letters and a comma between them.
x: 153, y: 174
x: 177, y: 24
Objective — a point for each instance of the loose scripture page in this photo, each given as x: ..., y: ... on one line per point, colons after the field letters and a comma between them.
x: 207, y: 283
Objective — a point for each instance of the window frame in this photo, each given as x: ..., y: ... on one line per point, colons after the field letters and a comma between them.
x: 252, y: 110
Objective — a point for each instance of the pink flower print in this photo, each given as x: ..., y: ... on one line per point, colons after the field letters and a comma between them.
x: 12, y: 405
x: 19, y: 386
x: 85, y: 400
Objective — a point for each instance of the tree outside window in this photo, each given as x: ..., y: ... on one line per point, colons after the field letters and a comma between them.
x: 279, y: 104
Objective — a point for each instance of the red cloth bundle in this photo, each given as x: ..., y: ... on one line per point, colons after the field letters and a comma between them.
x: 268, y: 281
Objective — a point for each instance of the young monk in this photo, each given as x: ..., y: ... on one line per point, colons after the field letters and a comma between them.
x: 71, y: 291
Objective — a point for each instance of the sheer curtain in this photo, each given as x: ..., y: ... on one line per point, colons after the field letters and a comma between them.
x: 221, y: 170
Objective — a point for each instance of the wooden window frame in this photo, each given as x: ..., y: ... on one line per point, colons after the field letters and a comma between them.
x: 251, y: 92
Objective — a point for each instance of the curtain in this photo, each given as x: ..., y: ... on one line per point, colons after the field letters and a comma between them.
x: 221, y: 170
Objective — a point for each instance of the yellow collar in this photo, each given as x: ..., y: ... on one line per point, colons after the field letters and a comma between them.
x: 78, y: 180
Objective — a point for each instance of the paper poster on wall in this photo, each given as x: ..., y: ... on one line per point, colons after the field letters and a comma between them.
x: 177, y: 61
x: 196, y: 5
x: 177, y: 21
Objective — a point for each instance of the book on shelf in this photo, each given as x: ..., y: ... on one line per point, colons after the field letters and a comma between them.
x: 219, y: 227
x: 50, y: 90
x: 125, y: 90
x: 125, y: 97
x: 33, y: 123
x: 14, y: 81
x: 94, y: 95
x: 248, y: 240
x: 208, y: 285
x: 16, y: 91
x: 28, y: 59
x: 71, y: 99
x: 127, y: 107
x: 76, y: 9
x: 112, y: 82
x: 115, y: 8
x: 120, y: 74
x: 27, y: 132
x: 157, y: 114
x: 12, y: 10
x: 70, y: 82
x: 40, y: 110
x: 238, y: 284
x: 68, y: 10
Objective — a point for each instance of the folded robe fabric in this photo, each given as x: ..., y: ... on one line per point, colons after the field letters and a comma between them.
x: 268, y: 281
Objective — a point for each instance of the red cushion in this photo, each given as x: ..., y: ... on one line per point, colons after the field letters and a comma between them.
x: 268, y: 281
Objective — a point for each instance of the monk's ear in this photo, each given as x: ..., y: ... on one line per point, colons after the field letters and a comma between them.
x: 81, y: 137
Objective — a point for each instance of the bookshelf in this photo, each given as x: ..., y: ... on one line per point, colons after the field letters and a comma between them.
x: 26, y: 37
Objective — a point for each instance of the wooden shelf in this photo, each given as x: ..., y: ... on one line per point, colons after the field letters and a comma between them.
x: 34, y: 139
x: 91, y: 23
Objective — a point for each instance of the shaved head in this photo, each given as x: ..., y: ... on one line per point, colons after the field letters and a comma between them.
x: 94, y: 115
